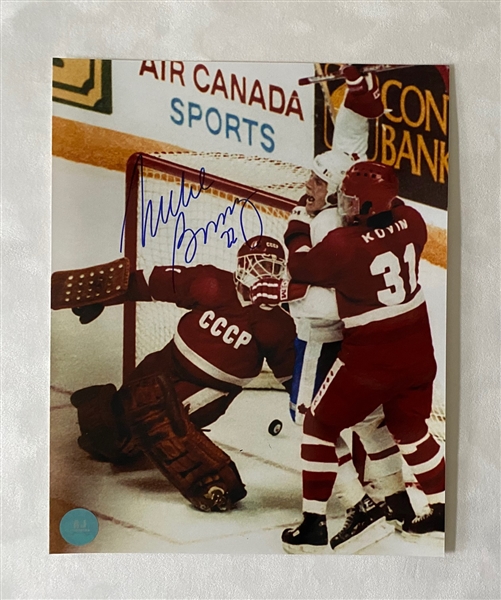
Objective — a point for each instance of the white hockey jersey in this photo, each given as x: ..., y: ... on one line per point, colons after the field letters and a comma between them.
x: 316, y: 314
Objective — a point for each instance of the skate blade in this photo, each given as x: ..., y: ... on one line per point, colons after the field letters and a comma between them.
x: 370, y: 535
x: 396, y: 524
x: 305, y: 549
x: 415, y: 537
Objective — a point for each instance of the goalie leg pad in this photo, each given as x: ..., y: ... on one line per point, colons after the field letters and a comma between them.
x: 104, y: 434
x: 202, y: 472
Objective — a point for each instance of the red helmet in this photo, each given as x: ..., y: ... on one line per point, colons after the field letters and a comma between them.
x: 261, y: 256
x: 367, y: 182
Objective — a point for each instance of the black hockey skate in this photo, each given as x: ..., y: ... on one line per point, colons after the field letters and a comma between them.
x: 398, y: 509
x: 365, y: 524
x: 309, y: 537
x: 432, y: 522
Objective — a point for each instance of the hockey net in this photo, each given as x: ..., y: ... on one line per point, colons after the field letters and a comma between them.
x: 158, y: 190
x: 220, y: 217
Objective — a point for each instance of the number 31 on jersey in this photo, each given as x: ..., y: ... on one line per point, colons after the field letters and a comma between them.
x: 388, y: 265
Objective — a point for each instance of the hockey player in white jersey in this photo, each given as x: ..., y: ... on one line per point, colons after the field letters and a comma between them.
x: 319, y: 329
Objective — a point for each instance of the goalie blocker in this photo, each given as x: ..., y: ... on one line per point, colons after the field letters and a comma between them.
x: 91, y: 285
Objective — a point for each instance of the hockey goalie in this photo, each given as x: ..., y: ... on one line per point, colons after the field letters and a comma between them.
x: 219, y: 346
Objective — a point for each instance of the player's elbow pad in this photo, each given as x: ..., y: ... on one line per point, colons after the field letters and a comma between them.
x: 297, y: 234
x: 162, y: 283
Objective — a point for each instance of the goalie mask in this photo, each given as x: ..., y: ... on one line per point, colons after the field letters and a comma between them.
x: 261, y: 256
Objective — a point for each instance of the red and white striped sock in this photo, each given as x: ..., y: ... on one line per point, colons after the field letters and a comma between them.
x: 348, y: 489
x: 426, y: 460
x: 320, y: 467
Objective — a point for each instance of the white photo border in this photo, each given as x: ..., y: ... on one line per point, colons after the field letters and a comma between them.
x: 465, y: 35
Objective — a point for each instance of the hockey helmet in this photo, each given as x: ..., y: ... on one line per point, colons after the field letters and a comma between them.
x: 331, y: 167
x: 368, y: 188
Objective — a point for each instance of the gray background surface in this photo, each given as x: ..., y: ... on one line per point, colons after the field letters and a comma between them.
x: 465, y: 35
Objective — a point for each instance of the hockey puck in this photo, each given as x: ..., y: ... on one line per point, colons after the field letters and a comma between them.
x: 275, y: 427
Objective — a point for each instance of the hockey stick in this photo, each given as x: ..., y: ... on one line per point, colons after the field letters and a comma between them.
x: 363, y: 70
x: 325, y: 91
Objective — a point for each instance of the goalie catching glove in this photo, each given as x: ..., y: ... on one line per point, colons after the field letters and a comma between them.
x: 87, y: 291
x: 270, y: 290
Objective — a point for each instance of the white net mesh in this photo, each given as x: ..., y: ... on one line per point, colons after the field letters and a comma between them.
x: 215, y: 224
x: 275, y: 176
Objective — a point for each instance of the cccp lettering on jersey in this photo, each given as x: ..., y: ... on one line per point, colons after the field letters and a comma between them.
x: 399, y: 225
x: 230, y: 334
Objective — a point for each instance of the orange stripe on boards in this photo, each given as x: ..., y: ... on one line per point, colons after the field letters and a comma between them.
x: 108, y: 149
x: 100, y: 147
x: 435, y: 250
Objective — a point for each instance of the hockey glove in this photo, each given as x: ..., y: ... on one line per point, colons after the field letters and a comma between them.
x: 87, y: 291
x: 270, y: 290
x: 363, y: 97
x: 137, y: 290
x: 87, y: 314
x: 298, y: 229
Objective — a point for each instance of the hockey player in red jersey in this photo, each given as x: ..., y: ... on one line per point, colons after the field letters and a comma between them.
x: 219, y: 346
x: 320, y: 330
x: 387, y: 353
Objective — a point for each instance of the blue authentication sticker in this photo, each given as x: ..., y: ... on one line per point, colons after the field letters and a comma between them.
x: 79, y: 526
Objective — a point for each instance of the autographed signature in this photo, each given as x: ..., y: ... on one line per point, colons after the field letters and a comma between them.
x: 173, y: 209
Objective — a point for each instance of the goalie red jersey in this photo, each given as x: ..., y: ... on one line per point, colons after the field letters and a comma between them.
x: 219, y: 341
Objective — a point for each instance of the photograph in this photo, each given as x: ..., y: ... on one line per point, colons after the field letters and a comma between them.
x: 248, y: 307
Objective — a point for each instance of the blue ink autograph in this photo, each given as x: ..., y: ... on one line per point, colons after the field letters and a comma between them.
x: 174, y: 209
x: 202, y: 233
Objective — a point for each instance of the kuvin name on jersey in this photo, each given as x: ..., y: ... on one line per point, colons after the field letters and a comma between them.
x: 381, y: 233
